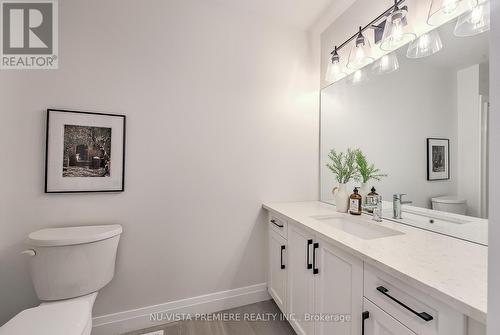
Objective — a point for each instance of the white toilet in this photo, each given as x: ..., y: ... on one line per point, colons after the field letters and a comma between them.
x: 450, y: 204
x: 68, y: 266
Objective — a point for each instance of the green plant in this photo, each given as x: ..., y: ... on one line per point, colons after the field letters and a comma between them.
x: 343, y: 165
x: 366, y: 171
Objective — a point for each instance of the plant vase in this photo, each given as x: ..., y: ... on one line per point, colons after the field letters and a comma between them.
x: 341, y: 198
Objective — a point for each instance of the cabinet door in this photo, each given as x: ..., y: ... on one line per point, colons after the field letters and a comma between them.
x: 300, y: 280
x: 338, y: 292
x: 379, y: 322
x: 277, y: 269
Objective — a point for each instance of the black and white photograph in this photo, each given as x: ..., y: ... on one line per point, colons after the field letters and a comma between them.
x: 85, y: 152
x: 438, y: 159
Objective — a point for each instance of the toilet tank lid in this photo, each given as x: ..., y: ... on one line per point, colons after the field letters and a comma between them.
x: 52, y: 237
x: 64, y: 318
x: 449, y: 199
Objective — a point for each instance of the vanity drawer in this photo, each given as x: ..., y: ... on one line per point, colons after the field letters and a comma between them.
x: 416, y: 310
x: 278, y: 224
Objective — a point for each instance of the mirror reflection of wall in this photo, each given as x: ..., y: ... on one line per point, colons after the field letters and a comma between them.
x: 391, y: 117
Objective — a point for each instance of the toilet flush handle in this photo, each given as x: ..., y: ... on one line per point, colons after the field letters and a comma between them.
x: 29, y: 252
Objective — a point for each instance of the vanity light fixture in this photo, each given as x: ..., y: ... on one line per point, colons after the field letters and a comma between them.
x: 360, y: 54
x: 397, y: 32
x: 426, y: 45
x: 387, y: 64
x: 334, y: 71
x: 358, y: 77
x: 475, y: 21
x: 442, y: 11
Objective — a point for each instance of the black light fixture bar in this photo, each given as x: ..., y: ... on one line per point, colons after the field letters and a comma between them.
x: 372, y: 23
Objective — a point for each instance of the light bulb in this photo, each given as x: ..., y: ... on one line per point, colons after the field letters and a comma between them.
x: 358, y: 77
x: 477, y: 16
x: 397, y: 34
x: 387, y: 64
x: 360, y: 54
x: 423, y: 43
x: 449, y: 6
x: 475, y: 21
x: 426, y: 45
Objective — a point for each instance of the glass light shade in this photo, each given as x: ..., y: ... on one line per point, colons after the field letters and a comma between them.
x: 358, y: 77
x: 442, y: 11
x: 426, y: 45
x: 475, y: 21
x: 397, y: 32
x: 334, y: 72
x: 387, y: 64
x: 360, y: 55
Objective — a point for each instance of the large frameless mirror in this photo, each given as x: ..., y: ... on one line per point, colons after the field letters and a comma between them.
x: 422, y: 122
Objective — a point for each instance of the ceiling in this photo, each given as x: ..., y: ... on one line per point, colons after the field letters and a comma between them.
x: 302, y: 14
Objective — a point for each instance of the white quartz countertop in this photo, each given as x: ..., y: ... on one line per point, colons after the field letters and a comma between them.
x: 451, y: 270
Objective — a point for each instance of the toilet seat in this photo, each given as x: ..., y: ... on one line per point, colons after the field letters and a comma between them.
x: 69, y: 317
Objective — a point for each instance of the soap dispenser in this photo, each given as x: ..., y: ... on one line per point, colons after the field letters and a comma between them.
x: 355, y: 203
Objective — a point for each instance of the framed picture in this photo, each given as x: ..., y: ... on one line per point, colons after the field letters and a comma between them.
x: 85, y: 152
x: 438, y: 159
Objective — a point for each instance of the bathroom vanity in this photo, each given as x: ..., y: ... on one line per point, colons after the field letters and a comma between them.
x: 334, y: 273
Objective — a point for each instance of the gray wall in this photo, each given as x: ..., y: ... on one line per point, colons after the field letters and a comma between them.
x: 222, y: 115
x: 494, y: 227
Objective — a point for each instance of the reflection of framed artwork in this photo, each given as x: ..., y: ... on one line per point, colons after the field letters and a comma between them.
x: 85, y: 152
x: 438, y: 159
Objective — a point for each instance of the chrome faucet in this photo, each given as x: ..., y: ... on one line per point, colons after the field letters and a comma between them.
x: 397, y: 201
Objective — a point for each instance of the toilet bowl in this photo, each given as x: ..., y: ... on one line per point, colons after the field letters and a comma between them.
x: 66, y: 317
x: 68, y: 266
x: 450, y: 204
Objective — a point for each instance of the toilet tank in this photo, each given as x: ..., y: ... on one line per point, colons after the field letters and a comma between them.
x: 450, y: 204
x: 73, y: 261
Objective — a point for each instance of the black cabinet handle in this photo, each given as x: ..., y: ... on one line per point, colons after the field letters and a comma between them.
x: 273, y: 221
x: 423, y: 315
x: 364, y: 316
x: 315, y: 269
x: 308, y: 247
x: 282, y: 249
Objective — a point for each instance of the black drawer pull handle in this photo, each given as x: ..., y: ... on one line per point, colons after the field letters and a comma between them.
x: 273, y: 221
x: 315, y: 269
x: 423, y: 315
x: 282, y: 249
x: 308, y: 262
x: 364, y: 316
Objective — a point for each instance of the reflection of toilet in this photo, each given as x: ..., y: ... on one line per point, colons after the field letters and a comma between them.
x: 68, y: 266
x: 450, y: 204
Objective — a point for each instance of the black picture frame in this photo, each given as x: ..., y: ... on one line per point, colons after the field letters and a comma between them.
x: 432, y: 174
x: 47, y: 186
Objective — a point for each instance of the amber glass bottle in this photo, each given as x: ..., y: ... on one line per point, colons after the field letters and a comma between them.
x: 355, y: 203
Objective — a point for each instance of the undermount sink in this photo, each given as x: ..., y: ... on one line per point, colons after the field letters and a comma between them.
x: 359, y: 228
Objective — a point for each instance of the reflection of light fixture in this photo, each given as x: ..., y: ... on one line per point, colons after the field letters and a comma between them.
x: 396, y: 30
x: 334, y: 71
x: 387, y: 64
x: 360, y: 54
x: 426, y: 45
x: 444, y: 10
x: 358, y: 77
x: 474, y: 22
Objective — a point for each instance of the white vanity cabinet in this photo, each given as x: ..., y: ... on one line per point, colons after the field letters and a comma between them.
x: 325, y: 289
x: 325, y: 286
x: 277, y: 272
x: 338, y: 291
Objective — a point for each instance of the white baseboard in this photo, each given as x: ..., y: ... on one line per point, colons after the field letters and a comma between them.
x: 126, y: 321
